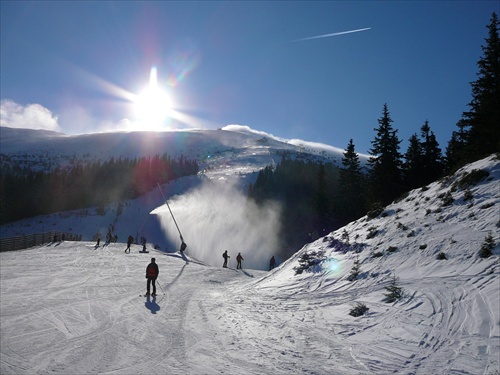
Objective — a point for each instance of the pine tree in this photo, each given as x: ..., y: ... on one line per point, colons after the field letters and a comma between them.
x: 351, y: 192
x: 395, y: 292
x: 413, y: 170
x: 355, y: 270
x: 385, y: 162
x: 432, y: 157
x: 483, y: 119
x: 487, y: 247
x: 456, y: 151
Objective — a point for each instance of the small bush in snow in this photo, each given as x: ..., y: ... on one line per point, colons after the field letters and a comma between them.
x: 395, y: 292
x: 358, y: 310
x: 377, y: 254
x: 447, y: 199
x: 402, y: 226
x: 377, y: 210
x: 309, y: 261
x: 392, y: 249
x: 441, y: 256
x: 468, y: 195
x: 345, y: 236
x: 486, y: 205
x: 487, y: 247
x: 355, y: 270
x: 423, y: 246
x: 344, y: 247
x: 372, y: 232
x: 471, y: 179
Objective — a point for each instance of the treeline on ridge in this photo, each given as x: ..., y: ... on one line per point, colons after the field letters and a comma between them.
x: 27, y: 193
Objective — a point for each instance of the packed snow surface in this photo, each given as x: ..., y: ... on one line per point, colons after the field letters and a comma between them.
x: 74, y: 308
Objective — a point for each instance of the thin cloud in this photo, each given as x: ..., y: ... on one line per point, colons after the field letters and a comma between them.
x: 330, y: 35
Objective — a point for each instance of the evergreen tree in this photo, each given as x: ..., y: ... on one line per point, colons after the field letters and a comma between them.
x: 385, y: 162
x: 351, y: 192
x: 413, y: 167
x: 432, y: 157
x: 395, y: 292
x: 456, y: 151
x: 482, y: 120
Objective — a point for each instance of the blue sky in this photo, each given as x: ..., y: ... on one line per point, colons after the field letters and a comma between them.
x: 79, y: 67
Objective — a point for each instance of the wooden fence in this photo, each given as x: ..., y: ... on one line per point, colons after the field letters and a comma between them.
x: 37, y: 239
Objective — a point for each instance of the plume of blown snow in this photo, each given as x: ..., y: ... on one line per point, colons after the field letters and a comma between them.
x: 217, y: 216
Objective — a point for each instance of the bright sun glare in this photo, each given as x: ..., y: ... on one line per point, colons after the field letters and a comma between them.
x: 152, y: 106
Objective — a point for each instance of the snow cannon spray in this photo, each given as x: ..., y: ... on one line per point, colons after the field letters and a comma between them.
x: 217, y: 216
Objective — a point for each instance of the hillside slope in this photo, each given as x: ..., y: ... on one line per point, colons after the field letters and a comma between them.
x: 75, y: 308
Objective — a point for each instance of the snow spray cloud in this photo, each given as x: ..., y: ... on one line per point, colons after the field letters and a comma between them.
x: 216, y: 217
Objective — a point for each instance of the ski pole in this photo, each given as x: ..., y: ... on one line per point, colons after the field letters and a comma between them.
x: 161, y: 288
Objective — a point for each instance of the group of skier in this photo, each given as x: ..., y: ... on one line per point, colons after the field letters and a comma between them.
x: 152, y: 269
x: 239, y: 258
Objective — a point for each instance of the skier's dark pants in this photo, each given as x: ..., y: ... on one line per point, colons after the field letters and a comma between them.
x: 153, y: 280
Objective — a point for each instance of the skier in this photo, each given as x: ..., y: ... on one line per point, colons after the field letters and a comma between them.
x: 98, y: 241
x: 239, y: 258
x: 272, y: 263
x: 144, y: 244
x: 225, y: 256
x: 152, y: 272
x: 129, y: 242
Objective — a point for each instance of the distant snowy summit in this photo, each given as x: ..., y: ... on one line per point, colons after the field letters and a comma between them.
x: 195, y: 144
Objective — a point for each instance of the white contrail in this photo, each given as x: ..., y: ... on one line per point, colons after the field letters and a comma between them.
x: 332, y: 34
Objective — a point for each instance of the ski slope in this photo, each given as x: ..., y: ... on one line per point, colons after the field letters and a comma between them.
x: 72, y: 308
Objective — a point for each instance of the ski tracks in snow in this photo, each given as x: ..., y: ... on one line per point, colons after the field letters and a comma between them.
x: 451, y: 325
x: 74, y: 309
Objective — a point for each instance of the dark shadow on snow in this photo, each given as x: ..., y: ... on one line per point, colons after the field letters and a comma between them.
x: 152, y: 305
x: 177, y: 277
x: 246, y: 273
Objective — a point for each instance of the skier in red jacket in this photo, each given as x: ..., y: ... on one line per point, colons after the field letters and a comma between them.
x: 152, y: 272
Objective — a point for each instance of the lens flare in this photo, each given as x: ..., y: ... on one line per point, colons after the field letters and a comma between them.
x: 333, y: 266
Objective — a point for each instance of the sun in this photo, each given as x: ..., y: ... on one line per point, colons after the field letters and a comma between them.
x: 152, y: 105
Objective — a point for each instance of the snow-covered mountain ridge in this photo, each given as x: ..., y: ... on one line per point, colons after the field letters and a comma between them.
x: 32, y: 148
x: 85, y: 316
